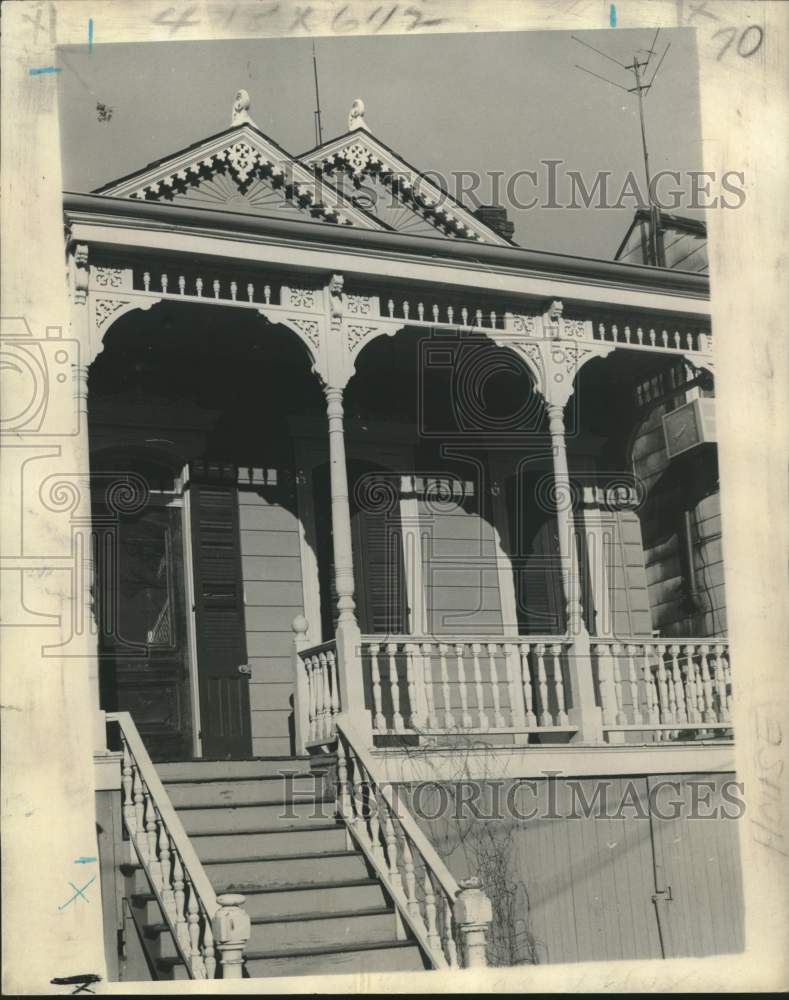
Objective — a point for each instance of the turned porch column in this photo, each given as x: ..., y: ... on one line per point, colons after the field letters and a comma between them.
x: 349, y: 659
x: 584, y: 713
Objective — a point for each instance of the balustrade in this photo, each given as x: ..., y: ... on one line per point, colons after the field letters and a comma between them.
x: 185, y: 896
x: 664, y: 687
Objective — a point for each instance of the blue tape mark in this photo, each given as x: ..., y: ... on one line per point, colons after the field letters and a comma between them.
x: 44, y: 69
x: 84, y: 861
x: 612, y: 15
x: 90, y: 34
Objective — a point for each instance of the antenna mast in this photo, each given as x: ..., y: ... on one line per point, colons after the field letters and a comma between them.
x: 641, y: 89
x: 317, y: 112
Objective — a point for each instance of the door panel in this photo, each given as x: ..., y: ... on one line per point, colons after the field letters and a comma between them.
x: 219, y: 610
x: 142, y: 616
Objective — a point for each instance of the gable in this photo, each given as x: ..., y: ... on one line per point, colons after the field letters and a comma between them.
x: 413, y: 202
x: 241, y: 169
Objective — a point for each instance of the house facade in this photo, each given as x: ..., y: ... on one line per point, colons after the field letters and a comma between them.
x: 404, y: 542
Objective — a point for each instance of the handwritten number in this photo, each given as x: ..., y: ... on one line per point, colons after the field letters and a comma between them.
x: 732, y: 34
x: 756, y: 47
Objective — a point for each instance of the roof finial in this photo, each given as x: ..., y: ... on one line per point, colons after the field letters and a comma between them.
x: 241, y: 109
x: 356, y: 116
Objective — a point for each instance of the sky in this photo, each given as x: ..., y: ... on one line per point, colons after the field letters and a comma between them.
x: 447, y: 103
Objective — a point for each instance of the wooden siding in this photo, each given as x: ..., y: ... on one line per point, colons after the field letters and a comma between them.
x: 660, y: 520
x: 571, y: 888
x: 271, y: 566
x: 461, y: 584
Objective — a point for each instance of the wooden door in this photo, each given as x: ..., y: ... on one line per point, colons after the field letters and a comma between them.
x: 140, y: 598
x: 223, y: 680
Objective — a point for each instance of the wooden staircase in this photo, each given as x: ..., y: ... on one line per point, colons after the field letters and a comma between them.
x: 267, y: 828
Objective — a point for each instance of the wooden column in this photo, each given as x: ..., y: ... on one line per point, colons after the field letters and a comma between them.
x: 584, y: 713
x: 349, y: 658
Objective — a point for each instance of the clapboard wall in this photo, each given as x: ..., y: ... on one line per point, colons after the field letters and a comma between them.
x: 570, y: 887
x: 661, y: 528
x: 271, y: 566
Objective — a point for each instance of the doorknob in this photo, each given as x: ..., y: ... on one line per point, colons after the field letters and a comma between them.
x: 244, y: 668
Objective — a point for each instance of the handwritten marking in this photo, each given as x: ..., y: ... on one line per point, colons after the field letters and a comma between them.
x: 90, y: 35
x: 83, y: 861
x: 44, y: 69
x: 182, y: 22
x: 612, y: 15
x: 78, y: 893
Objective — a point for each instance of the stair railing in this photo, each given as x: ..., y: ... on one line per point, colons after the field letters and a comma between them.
x: 450, y: 920
x: 198, y: 920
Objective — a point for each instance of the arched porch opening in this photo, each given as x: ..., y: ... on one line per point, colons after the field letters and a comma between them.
x: 196, y: 587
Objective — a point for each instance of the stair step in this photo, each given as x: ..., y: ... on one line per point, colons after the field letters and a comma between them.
x: 327, y: 897
x: 232, y: 819
x: 302, y: 869
x: 207, y: 770
x: 244, y: 791
x: 321, y: 930
x: 376, y: 956
x: 317, y: 839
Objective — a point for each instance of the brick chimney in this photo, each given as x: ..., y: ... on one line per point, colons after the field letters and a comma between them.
x: 495, y: 217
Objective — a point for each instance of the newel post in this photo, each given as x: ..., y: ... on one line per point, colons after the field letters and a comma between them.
x: 301, y: 694
x: 473, y: 915
x: 231, y: 927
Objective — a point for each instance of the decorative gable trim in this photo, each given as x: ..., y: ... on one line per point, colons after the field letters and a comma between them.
x: 245, y: 154
x: 359, y: 154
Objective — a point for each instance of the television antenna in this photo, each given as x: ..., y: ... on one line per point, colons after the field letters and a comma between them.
x: 317, y: 112
x: 641, y: 87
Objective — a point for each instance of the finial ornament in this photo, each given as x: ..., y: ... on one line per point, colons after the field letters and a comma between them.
x: 241, y: 109
x: 356, y: 116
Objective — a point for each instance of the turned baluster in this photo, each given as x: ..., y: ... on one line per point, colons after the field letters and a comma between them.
x: 650, y: 694
x: 652, y: 338
x: 164, y: 282
x: 411, y: 650
x: 450, y: 948
x: 663, y: 710
x: 531, y: 718
x: 450, y: 314
x: 727, y: 692
x: 343, y: 795
x: 179, y: 893
x: 323, y: 723
x: 601, y: 331
x: 628, y: 336
x: 154, y: 866
x: 664, y: 338
x: 614, y: 332
x: 311, y: 716
x: 251, y: 292
x: 390, y: 307
x: 199, y: 286
x: 233, y: 290
x: 449, y: 718
x: 706, y: 684
x: 435, y: 314
x: 409, y: 879
x: 420, y: 311
x: 390, y: 839
x: 668, y: 680
x: 406, y: 308
x: 632, y: 680
x: 512, y: 673
x: 679, y: 689
x: 127, y: 780
x: 558, y: 683
x: 498, y: 719
x: 640, y: 335
x: 719, y: 684
x: 433, y: 938
x: 216, y: 289
x: 334, y: 694
x: 140, y: 840
x: 542, y: 686
x: 209, y: 954
x: 394, y: 687
x: 618, y: 681
x: 691, y: 694
x: 181, y: 285
x: 267, y: 294
x: 379, y: 720
x: 373, y: 803
x: 493, y: 319
x: 146, y: 281
x: 430, y: 702
x: 479, y: 691
x: 465, y: 717
x: 478, y: 317
x: 464, y: 316
x: 168, y: 898
x: 193, y: 917
x: 605, y: 672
